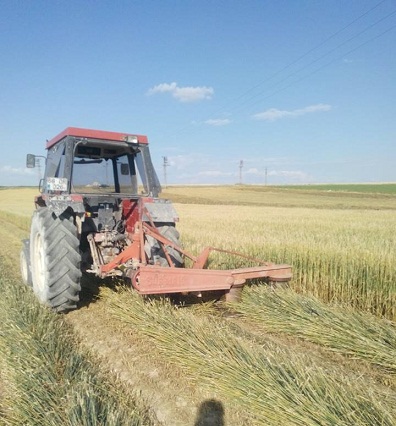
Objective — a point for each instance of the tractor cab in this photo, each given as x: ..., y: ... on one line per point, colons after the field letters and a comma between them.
x: 82, y: 161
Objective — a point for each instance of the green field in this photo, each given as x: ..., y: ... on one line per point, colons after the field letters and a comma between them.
x: 312, y: 196
x: 374, y: 188
x: 320, y: 353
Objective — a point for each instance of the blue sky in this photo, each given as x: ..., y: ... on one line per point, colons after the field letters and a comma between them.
x: 301, y: 91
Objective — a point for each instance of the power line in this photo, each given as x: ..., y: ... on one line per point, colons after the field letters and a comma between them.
x: 247, y: 102
x: 324, y: 65
x: 311, y: 50
x: 240, y: 106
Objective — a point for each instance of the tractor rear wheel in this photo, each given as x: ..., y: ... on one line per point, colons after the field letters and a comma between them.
x: 25, y: 263
x: 156, y: 253
x: 55, y: 259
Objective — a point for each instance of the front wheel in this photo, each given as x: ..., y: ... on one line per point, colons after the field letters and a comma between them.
x: 55, y: 259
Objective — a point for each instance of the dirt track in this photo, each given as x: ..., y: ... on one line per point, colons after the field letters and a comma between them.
x: 133, y: 361
x: 164, y: 388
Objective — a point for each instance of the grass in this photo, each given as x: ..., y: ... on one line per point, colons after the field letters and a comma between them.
x: 18, y: 201
x: 342, y: 249
x: 50, y: 381
x: 339, y: 256
x: 46, y: 378
x: 315, y: 197
x: 352, y: 334
x: 369, y: 188
x: 277, y: 385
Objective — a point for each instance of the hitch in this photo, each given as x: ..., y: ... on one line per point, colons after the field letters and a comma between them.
x: 149, y: 278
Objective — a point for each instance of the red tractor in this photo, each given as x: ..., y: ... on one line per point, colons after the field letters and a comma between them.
x: 99, y: 213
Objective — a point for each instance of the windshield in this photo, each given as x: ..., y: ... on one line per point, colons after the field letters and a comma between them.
x: 116, y: 174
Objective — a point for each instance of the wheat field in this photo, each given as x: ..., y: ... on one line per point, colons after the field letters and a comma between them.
x: 319, y: 353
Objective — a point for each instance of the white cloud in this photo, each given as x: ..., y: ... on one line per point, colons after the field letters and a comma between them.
x: 273, y: 114
x: 18, y: 171
x: 290, y: 174
x: 19, y: 176
x: 197, y: 168
x: 183, y: 94
x: 293, y: 175
x: 254, y: 171
x: 182, y: 162
x: 215, y: 173
x: 218, y: 121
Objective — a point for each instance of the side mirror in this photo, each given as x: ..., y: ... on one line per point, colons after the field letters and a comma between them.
x: 30, y: 161
x: 124, y: 169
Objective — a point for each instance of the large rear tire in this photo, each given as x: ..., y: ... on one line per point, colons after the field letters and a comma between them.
x: 55, y: 259
x: 155, y: 252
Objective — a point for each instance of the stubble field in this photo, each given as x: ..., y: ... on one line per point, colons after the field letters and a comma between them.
x: 320, y: 353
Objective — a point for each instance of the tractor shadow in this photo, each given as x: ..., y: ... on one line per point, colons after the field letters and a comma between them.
x: 90, y: 288
x: 210, y: 413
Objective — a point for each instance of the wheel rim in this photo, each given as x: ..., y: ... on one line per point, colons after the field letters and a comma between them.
x: 24, y: 267
x: 39, y: 264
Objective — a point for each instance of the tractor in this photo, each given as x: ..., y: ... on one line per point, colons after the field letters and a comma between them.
x: 99, y: 212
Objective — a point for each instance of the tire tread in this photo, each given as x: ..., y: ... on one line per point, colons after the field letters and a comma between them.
x: 62, y: 258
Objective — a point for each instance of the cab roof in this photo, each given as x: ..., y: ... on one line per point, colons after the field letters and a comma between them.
x: 95, y: 134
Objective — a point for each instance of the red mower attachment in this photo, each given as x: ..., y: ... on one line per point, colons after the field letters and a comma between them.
x: 165, y: 279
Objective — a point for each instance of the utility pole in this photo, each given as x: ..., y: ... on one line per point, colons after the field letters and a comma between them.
x: 165, y: 165
x: 240, y: 171
x: 265, y: 179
